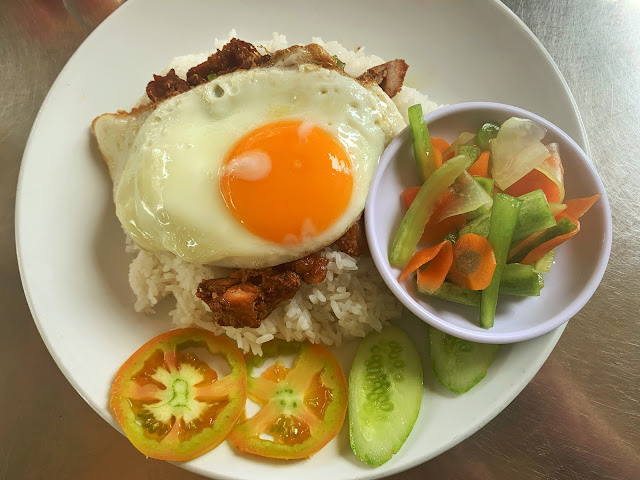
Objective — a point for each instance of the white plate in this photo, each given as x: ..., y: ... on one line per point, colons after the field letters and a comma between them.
x: 70, y: 245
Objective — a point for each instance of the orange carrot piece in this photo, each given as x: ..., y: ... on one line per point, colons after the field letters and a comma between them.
x: 409, y: 195
x: 473, y: 262
x: 576, y: 207
x: 449, y: 156
x: 480, y: 167
x: 440, y: 144
x: 535, y: 180
x: 523, y: 243
x: 541, y: 250
x: 431, y: 277
x: 437, y: 157
x: 421, y: 257
x: 435, y: 231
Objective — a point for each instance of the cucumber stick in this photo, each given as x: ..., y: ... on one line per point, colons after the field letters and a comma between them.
x: 504, y: 216
x: 422, y: 148
x: 385, y: 392
x: 459, y: 364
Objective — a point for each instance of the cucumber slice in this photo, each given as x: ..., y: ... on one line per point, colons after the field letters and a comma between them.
x: 385, y: 392
x: 459, y: 364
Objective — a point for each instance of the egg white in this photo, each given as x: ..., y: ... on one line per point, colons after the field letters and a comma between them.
x: 165, y: 162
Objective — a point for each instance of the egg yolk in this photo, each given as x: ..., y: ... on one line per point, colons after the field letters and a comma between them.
x: 287, y: 181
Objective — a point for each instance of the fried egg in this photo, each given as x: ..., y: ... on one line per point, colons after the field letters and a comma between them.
x: 254, y: 168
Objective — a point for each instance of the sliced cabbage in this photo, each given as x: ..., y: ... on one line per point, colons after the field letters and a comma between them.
x: 516, y: 151
x: 468, y: 195
x: 552, y: 168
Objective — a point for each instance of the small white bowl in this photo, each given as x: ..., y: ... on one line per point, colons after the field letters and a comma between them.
x: 579, y: 263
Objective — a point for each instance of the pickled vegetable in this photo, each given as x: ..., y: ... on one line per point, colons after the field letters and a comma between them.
x: 487, y: 132
x: 504, y: 216
x: 415, y: 219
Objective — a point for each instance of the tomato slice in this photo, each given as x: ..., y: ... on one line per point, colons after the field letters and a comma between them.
x: 303, y: 407
x: 172, y: 405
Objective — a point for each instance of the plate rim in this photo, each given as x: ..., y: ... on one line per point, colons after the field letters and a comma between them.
x: 514, y: 390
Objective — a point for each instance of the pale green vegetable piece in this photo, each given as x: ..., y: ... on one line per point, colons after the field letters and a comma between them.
x: 516, y: 150
x: 468, y: 196
x: 410, y: 230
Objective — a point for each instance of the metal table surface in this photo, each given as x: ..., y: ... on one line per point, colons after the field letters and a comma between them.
x: 578, y: 419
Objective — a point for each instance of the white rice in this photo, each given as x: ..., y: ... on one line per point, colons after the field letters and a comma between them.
x: 352, y: 301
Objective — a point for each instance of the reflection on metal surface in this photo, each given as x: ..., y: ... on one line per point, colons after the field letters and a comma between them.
x: 578, y: 419
x: 90, y: 13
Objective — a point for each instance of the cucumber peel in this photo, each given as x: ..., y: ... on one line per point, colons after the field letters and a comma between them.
x: 563, y: 227
x: 459, y: 364
x: 385, y: 393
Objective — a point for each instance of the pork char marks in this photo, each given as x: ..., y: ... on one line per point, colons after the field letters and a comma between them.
x: 248, y: 296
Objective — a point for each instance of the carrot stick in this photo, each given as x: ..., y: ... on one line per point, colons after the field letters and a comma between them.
x: 409, y: 195
x: 435, y: 231
x: 432, y: 276
x: 541, y: 250
x: 473, y: 262
x: 421, y: 257
x: 576, y: 207
x: 439, y: 144
x: 480, y: 167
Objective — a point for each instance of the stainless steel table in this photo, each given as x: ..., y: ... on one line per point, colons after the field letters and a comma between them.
x: 578, y: 419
